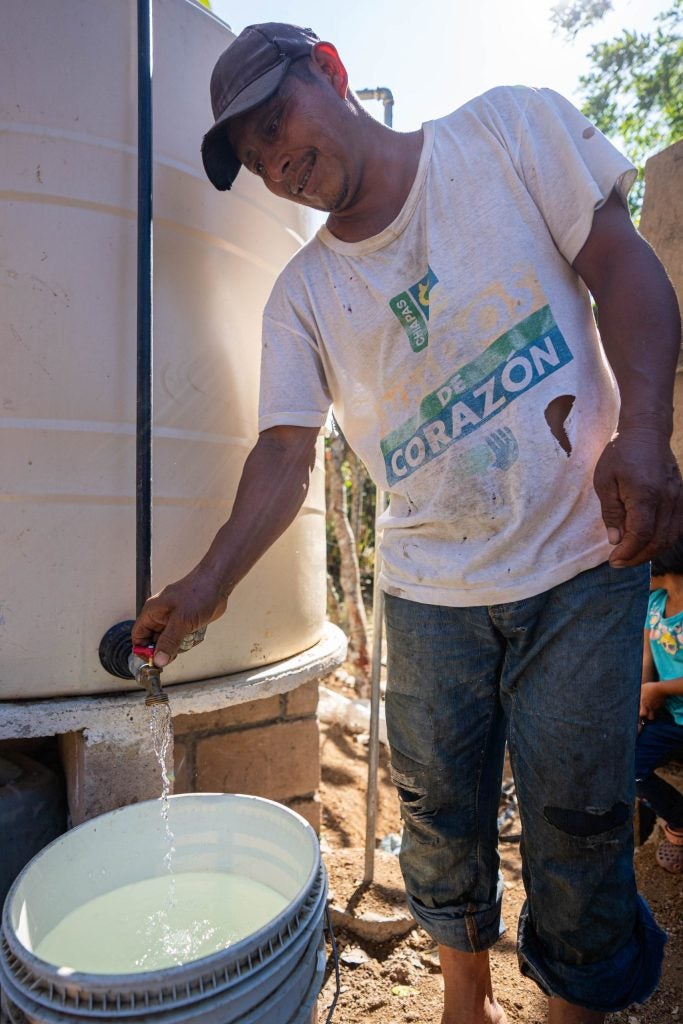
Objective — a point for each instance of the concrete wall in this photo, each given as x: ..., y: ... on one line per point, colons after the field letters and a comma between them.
x: 266, y: 748
x: 662, y: 224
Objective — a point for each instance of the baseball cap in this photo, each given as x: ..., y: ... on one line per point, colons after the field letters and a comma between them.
x: 246, y: 75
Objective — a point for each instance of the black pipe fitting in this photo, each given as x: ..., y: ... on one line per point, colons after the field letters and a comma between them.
x: 116, y: 647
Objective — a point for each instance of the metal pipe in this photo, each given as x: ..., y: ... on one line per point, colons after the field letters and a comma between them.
x: 387, y: 98
x: 375, y: 699
x: 143, y: 468
x: 383, y: 94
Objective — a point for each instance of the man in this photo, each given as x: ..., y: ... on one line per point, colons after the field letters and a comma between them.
x: 443, y: 312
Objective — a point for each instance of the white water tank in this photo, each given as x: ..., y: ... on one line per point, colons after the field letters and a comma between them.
x: 68, y: 201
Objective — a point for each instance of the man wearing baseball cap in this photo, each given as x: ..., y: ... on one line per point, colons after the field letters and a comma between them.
x: 444, y: 313
x: 249, y: 72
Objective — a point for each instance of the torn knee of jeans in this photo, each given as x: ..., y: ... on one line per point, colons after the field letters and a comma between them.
x: 408, y: 786
x: 412, y: 792
x: 590, y: 822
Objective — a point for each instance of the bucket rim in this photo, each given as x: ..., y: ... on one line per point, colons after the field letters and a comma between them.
x: 90, y: 1004
x: 49, y: 973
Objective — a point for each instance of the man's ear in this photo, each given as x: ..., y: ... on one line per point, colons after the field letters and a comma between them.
x: 330, y: 63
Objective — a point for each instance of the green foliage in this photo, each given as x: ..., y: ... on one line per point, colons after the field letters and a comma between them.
x: 634, y: 90
x: 571, y: 16
x: 635, y: 87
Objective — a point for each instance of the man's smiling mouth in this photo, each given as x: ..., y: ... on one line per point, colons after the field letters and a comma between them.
x: 303, y: 180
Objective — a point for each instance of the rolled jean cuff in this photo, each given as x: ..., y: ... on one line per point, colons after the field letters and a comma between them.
x: 470, y: 932
x: 631, y: 975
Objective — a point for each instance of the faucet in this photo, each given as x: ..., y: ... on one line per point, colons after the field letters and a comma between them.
x: 147, y: 675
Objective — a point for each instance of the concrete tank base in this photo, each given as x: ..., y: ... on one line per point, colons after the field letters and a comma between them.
x: 106, y: 743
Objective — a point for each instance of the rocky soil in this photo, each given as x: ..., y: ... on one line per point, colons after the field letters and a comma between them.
x: 389, y: 969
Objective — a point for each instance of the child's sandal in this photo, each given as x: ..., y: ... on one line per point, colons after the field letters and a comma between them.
x: 670, y: 852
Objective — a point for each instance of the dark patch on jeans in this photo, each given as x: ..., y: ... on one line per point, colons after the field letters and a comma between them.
x: 587, y: 823
x: 416, y: 810
x: 556, y: 413
x: 407, y: 787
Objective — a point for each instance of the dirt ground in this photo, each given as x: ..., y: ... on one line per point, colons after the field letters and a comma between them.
x: 398, y: 980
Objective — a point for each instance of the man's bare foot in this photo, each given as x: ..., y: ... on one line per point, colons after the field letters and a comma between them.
x: 468, y: 997
x: 493, y: 1014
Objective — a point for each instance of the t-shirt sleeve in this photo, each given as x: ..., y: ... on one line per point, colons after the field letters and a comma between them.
x: 293, y: 387
x: 566, y: 163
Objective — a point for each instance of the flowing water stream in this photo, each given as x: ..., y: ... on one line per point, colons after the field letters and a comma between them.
x: 161, y: 728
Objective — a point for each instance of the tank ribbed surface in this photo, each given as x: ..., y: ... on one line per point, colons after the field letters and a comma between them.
x: 68, y: 79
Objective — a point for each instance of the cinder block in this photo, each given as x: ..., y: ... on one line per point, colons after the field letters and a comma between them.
x: 279, y: 761
x: 302, y: 701
x: 103, y: 774
x: 265, y: 710
x: 182, y: 766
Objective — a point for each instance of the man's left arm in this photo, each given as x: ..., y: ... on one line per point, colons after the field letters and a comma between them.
x: 637, y: 479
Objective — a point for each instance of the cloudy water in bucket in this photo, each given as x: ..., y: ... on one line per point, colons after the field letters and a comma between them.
x: 160, y: 923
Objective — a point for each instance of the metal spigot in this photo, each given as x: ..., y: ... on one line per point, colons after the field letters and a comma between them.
x: 147, y: 675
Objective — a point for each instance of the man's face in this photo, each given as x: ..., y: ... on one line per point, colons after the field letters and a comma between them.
x: 294, y: 142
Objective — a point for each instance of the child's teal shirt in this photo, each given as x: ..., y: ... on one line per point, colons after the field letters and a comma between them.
x: 666, y: 643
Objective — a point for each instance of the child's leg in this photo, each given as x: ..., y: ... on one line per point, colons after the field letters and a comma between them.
x: 659, y: 742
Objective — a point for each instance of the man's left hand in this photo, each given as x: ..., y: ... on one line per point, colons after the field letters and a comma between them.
x: 638, y: 482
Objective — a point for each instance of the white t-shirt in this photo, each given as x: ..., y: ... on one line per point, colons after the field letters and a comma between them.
x: 445, y: 342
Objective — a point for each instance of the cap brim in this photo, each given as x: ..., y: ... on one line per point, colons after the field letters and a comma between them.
x: 221, y: 162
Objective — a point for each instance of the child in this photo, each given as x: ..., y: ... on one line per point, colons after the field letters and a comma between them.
x: 661, y: 703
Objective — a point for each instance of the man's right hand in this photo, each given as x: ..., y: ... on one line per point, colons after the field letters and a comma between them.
x: 178, y: 610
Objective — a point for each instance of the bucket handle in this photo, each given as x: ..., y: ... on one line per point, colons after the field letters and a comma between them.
x: 335, y: 958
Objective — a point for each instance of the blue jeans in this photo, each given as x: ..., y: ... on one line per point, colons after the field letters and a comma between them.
x: 660, y: 741
x: 558, y: 676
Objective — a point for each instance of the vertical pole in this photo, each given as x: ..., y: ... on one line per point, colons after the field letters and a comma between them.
x: 143, y: 472
x: 377, y: 628
x: 375, y: 700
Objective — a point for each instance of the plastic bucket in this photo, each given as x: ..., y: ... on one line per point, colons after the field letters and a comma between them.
x: 272, y: 976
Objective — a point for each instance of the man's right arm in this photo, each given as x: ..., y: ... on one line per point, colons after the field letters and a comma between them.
x: 272, y: 488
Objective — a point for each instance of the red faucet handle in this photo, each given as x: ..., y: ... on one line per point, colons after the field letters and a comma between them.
x: 144, y: 652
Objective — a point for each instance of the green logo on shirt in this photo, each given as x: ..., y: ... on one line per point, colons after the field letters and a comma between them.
x: 475, y: 394
x: 412, y: 310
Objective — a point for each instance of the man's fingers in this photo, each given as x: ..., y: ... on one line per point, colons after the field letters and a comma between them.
x: 149, y: 623
x: 649, y: 531
x: 159, y: 624
x: 639, y: 486
x: 170, y: 640
x: 638, y: 537
x: 612, y: 507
